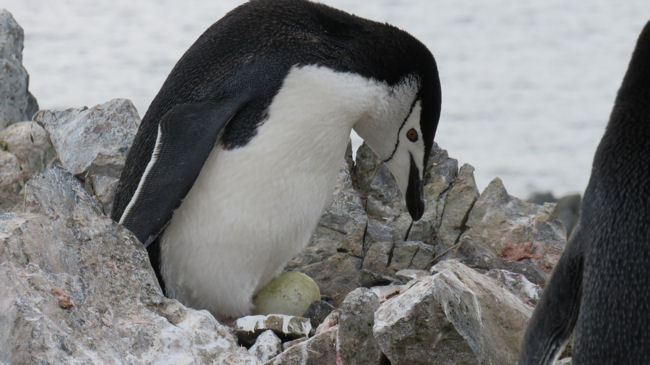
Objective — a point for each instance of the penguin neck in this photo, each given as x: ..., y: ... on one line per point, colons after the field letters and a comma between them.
x: 380, y: 125
x: 312, y: 115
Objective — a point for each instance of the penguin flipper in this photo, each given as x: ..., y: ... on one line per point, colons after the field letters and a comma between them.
x: 557, y: 311
x: 185, y: 137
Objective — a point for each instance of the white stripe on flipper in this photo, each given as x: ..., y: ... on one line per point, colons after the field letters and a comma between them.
x: 138, y: 191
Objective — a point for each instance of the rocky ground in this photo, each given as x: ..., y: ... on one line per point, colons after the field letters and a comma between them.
x: 456, y: 287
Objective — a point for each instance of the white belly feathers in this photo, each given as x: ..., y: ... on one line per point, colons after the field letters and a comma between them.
x: 253, y: 208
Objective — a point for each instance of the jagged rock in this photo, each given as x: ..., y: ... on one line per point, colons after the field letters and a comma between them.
x: 77, y: 287
x: 441, y: 173
x: 92, y: 143
x: 266, y: 347
x: 407, y: 275
x: 346, y: 234
x: 567, y: 208
x: 411, y: 328
x: 490, y: 318
x: 500, y: 226
x: 331, y: 321
x: 11, y: 181
x: 320, y: 349
x: 317, y: 312
x: 459, y: 201
x: 455, y: 316
x: 384, y: 259
x: 16, y: 102
x: 388, y: 218
x: 518, y: 284
x: 345, y: 219
x: 30, y: 143
x: 377, y: 185
x: 11, y: 176
x: 287, y: 327
x: 385, y: 292
x: 356, y: 342
x: 336, y: 276
x: 25, y: 150
x: 286, y: 345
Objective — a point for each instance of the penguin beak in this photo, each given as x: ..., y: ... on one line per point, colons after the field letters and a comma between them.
x: 414, y: 192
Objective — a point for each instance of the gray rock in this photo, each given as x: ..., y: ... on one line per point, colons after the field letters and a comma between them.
x: 385, y: 292
x: 317, y: 312
x: 376, y: 184
x: 384, y: 259
x: 441, y: 173
x: 518, y: 284
x: 77, y: 287
x: 11, y: 181
x: 267, y: 346
x: 345, y: 234
x: 500, y: 226
x: 356, y: 342
x: 331, y: 321
x: 92, y: 143
x: 286, y: 345
x: 567, y: 208
x: 344, y: 221
x: 490, y: 318
x: 388, y: 218
x: 318, y: 350
x: 381, y: 197
x: 411, y: 328
x: 287, y: 327
x: 455, y: 316
x: 336, y: 275
x: 30, y: 143
x: 11, y: 175
x: 407, y: 275
x: 459, y: 201
x: 16, y: 102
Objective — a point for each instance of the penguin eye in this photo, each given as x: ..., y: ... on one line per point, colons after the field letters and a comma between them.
x: 412, y: 135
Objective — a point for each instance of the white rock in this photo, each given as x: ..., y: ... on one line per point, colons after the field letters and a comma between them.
x: 75, y: 287
x: 489, y: 317
x: 249, y: 327
x: 267, y: 346
x: 93, y: 142
x: 455, y: 316
x: 320, y: 349
x: 30, y: 143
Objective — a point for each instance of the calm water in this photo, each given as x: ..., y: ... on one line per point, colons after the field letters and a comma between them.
x: 527, y: 85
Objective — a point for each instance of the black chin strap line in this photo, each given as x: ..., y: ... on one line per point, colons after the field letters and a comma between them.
x: 400, y: 130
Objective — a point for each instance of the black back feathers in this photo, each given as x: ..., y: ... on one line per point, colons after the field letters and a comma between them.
x: 601, y: 284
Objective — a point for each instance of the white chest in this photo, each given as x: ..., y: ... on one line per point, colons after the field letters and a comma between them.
x: 253, y: 208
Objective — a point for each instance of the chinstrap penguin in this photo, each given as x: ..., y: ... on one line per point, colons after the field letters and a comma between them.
x: 238, y: 154
x: 601, y: 285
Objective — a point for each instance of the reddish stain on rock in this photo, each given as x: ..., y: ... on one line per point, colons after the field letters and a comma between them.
x: 517, y: 252
x: 62, y: 297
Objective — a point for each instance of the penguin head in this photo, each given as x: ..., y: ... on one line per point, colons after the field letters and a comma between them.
x: 400, y: 128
